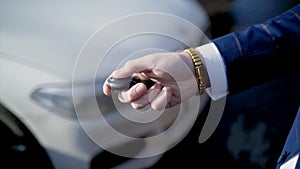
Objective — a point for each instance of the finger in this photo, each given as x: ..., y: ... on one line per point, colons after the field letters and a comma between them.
x: 147, y: 98
x: 106, y: 90
x: 173, y: 102
x: 131, y: 67
x: 133, y: 93
x: 161, y: 101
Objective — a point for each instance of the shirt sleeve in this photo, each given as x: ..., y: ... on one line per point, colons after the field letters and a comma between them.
x: 216, y: 70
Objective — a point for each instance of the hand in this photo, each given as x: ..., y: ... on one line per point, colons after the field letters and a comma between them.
x: 173, y: 73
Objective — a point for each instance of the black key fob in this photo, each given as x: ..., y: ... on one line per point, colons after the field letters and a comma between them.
x: 127, y: 83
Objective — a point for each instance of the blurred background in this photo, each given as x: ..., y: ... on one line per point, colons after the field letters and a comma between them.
x: 39, y: 42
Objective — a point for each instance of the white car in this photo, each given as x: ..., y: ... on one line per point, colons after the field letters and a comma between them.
x: 46, y: 49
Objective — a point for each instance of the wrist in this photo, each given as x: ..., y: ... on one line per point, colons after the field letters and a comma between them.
x: 187, y: 59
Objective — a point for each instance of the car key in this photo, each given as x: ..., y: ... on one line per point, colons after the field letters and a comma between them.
x: 127, y: 83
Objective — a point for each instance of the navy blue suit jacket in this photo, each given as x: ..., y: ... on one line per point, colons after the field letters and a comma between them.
x: 281, y: 33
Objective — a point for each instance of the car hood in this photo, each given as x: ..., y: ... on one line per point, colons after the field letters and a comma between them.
x: 50, y: 34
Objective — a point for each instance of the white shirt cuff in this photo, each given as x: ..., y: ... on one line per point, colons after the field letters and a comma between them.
x: 216, y: 70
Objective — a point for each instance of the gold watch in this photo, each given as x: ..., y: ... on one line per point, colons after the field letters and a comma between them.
x: 200, y: 70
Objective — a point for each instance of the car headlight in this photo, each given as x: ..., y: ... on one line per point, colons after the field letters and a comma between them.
x: 58, y: 98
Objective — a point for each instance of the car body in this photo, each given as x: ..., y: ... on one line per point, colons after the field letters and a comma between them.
x: 40, y: 43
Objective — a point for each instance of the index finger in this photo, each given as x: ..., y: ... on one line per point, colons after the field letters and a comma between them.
x: 133, y: 66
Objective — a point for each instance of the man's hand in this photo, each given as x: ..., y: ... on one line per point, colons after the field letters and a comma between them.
x: 172, y: 73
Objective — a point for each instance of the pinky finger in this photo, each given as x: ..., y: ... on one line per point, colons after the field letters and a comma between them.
x: 162, y: 100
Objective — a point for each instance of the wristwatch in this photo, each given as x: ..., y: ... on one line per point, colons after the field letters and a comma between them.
x: 199, y: 68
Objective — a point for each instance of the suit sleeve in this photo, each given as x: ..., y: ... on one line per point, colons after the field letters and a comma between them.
x: 282, y: 31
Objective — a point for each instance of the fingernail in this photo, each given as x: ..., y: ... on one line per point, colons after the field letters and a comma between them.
x: 140, y: 88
